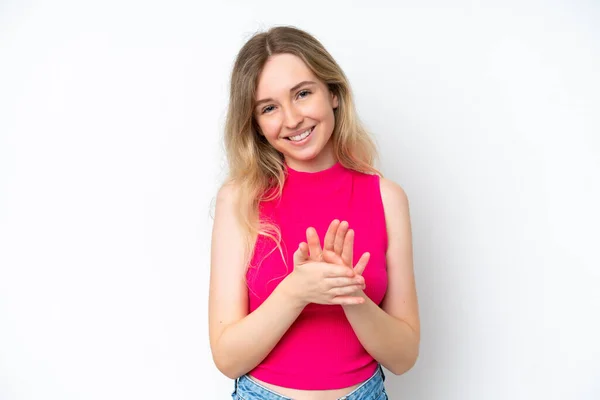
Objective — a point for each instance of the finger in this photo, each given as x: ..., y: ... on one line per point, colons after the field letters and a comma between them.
x: 347, y: 300
x: 334, y: 271
x: 304, y: 250
x: 339, y: 237
x: 345, y: 290
x: 330, y: 235
x: 362, y: 263
x: 301, y: 254
x: 330, y: 257
x: 314, y: 244
x: 345, y: 281
x: 348, y: 249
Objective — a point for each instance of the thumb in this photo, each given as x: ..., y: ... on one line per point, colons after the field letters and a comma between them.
x: 301, y: 254
x: 362, y: 263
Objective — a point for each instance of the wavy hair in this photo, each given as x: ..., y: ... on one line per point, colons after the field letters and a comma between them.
x: 256, y: 169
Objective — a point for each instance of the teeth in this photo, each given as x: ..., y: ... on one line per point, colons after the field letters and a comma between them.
x: 300, y: 136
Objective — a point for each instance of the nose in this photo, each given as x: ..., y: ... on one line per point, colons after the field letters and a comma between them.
x: 292, y: 118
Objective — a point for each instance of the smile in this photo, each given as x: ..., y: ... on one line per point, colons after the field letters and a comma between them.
x: 301, y: 137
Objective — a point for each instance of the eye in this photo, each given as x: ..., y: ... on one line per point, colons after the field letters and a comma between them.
x: 303, y: 93
x: 267, y: 109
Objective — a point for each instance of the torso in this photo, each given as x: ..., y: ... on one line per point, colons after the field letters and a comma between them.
x: 305, y: 358
x: 297, y: 394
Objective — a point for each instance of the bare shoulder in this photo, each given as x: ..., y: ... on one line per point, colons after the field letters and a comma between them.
x: 397, y: 216
x: 393, y: 196
x: 228, y: 193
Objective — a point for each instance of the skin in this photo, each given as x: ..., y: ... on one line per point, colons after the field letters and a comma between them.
x: 240, y: 341
x: 306, y: 106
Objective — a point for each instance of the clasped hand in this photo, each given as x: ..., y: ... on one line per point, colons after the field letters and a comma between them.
x: 326, y: 275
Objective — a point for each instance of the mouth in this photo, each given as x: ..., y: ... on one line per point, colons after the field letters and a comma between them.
x: 301, y: 137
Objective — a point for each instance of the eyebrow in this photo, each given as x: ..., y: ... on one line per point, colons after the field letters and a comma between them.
x: 291, y: 90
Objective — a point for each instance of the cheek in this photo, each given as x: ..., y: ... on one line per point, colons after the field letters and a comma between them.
x: 270, y: 127
x: 321, y: 110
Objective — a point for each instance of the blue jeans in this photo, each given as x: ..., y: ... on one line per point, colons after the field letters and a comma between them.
x: 371, y: 389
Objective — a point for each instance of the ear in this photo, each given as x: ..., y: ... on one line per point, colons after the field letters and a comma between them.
x: 334, y: 101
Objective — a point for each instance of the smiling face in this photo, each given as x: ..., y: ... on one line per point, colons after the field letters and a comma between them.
x: 294, y: 111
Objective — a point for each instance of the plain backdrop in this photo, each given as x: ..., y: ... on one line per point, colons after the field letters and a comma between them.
x: 111, y: 122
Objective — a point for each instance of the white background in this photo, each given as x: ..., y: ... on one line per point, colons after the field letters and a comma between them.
x: 111, y: 119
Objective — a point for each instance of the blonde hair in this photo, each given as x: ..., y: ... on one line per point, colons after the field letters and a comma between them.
x: 255, y: 167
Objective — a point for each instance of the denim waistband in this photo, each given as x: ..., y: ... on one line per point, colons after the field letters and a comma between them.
x: 248, y: 389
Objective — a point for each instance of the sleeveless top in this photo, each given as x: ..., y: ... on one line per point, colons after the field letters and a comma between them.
x: 320, y: 349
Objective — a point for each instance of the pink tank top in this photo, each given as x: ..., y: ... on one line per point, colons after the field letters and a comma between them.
x: 320, y: 350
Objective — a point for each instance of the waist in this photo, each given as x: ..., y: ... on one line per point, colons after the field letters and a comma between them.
x: 299, y: 394
x: 249, y: 387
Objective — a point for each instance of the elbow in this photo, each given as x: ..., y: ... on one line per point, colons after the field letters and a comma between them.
x: 404, y: 366
x: 231, y: 374
x: 229, y: 366
x: 226, y: 368
x: 406, y: 362
x: 220, y: 358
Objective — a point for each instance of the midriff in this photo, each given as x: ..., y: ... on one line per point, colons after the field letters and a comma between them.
x: 297, y: 394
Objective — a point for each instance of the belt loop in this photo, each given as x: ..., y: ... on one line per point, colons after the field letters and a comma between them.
x: 236, y: 384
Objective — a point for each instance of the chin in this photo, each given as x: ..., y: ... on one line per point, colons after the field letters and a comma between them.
x: 304, y: 155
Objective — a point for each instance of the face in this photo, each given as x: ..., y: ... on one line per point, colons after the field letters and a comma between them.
x: 294, y: 111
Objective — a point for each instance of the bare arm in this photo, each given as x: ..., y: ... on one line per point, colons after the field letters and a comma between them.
x: 244, y: 344
x: 240, y: 341
x: 389, y: 340
x: 391, y: 334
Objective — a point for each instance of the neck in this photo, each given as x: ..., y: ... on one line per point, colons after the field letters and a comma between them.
x: 324, y: 160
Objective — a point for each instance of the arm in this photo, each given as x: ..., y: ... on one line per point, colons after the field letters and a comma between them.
x: 240, y: 341
x: 391, y: 334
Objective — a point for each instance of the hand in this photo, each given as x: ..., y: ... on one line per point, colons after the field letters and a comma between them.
x: 316, y: 281
x: 339, y: 247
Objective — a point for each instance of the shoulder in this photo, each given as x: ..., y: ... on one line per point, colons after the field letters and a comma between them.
x: 392, y: 193
x: 395, y: 206
x: 226, y: 211
x: 228, y: 193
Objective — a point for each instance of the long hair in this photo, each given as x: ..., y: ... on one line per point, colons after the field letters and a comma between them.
x: 255, y: 167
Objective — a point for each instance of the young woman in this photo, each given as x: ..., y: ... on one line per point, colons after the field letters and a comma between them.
x: 290, y: 318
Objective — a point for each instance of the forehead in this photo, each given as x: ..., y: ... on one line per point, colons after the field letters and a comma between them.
x: 280, y: 73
